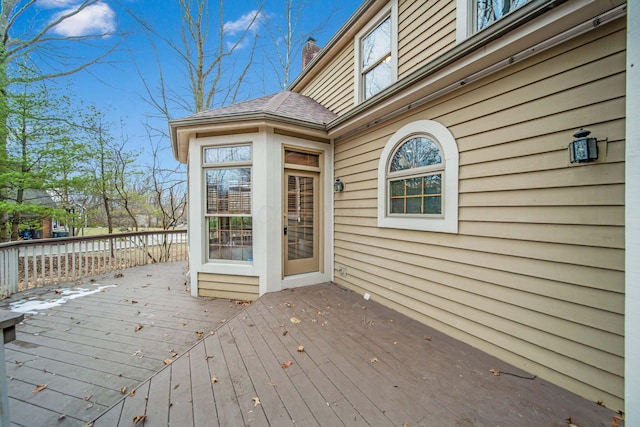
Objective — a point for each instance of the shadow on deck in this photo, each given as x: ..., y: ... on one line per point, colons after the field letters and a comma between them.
x: 323, y: 356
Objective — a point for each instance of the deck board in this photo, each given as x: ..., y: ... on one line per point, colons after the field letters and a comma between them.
x: 158, y: 402
x: 181, y: 400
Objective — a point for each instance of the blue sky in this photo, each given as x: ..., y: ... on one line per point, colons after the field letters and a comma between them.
x: 117, y: 85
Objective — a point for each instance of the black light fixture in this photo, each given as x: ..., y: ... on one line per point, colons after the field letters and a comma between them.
x: 583, y: 149
x: 338, y: 186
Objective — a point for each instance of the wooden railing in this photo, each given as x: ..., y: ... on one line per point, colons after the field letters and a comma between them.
x: 29, y: 264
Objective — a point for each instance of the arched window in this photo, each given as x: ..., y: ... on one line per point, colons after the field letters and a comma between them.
x: 418, y: 179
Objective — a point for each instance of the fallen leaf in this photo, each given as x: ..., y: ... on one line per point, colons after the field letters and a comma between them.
x: 286, y: 364
x: 39, y: 388
x: 139, y: 418
x: 256, y: 401
x: 208, y: 356
x: 173, y: 353
x: 285, y: 332
x: 200, y: 334
x: 495, y: 372
x: 62, y: 416
x: 570, y: 422
x: 57, y: 291
x: 295, y: 320
x: 132, y: 392
x: 374, y: 360
x: 214, y: 380
x: 212, y: 332
x: 426, y: 338
x: 300, y: 348
x: 123, y: 390
x: 88, y: 397
x: 138, y: 327
x: 167, y: 361
x: 134, y: 302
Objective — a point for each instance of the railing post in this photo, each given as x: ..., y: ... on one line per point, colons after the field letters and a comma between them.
x: 8, y: 322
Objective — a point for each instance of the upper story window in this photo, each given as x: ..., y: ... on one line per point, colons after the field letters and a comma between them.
x: 475, y: 15
x: 228, y: 200
x: 376, y: 54
x: 418, y: 179
x: 486, y: 12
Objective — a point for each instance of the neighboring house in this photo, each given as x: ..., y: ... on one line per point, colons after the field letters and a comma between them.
x: 40, y: 198
x: 444, y: 131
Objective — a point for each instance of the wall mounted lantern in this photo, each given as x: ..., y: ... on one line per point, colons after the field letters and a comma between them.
x: 338, y: 186
x: 583, y: 149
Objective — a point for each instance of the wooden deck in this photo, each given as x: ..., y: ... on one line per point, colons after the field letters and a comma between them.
x: 360, y: 364
x: 95, y: 349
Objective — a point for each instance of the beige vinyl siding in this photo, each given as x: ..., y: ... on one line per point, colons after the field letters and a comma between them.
x: 426, y: 29
x: 228, y: 286
x: 334, y: 86
x: 535, y: 275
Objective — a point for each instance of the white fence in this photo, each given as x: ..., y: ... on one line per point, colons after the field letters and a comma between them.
x: 28, y: 264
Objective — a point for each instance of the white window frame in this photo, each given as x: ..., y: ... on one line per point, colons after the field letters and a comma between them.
x: 391, y: 10
x: 448, y: 221
x: 225, y: 165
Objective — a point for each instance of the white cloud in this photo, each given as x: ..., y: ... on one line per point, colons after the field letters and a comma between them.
x: 97, y: 18
x: 251, y: 21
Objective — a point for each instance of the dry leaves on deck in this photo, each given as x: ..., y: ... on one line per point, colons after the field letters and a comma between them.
x: 495, y: 372
x: 286, y: 364
x: 256, y: 401
x: 300, y: 348
x: 200, y: 334
x: 123, y: 390
x: 138, y: 327
x: 214, y: 380
x: 374, y: 360
x: 295, y: 320
x: 39, y: 388
x: 167, y: 361
x: 139, y: 418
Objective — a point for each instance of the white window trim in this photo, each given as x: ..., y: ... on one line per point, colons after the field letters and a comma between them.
x: 224, y: 165
x: 390, y: 10
x: 448, y: 222
x: 464, y: 18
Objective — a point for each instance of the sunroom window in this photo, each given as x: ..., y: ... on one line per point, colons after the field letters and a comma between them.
x: 227, y: 174
x: 486, y: 12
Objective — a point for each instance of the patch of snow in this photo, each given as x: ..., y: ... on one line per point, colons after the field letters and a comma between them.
x: 33, y: 306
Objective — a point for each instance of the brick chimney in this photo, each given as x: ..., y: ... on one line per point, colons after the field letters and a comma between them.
x: 309, y: 51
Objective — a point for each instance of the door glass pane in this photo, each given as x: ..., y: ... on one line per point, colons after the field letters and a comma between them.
x: 300, y: 224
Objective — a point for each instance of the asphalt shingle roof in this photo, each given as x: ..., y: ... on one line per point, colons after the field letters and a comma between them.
x: 286, y: 104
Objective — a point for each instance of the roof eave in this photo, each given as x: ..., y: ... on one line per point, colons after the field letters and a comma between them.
x: 182, y: 129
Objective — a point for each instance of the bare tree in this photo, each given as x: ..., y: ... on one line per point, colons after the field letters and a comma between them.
x: 24, y: 43
x: 209, y: 60
x: 289, y: 38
